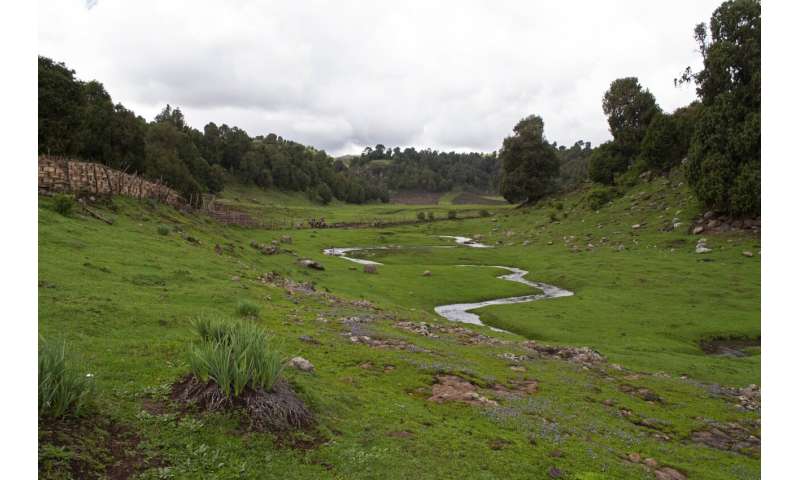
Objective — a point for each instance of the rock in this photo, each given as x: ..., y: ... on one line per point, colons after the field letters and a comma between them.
x: 554, y: 472
x: 286, y: 239
x: 450, y: 388
x: 636, y: 226
x: 747, y: 253
x: 698, y: 230
x: 708, y: 215
x: 713, y: 223
x: 311, y: 264
x: 667, y: 473
x: 426, y: 273
x: 218, y: 249
x: 235, y: 278
x: 301, y: 364
x: 370, y: 268
x: 526, y: 243
x: 701, y: 248
x: 650, y: 462
x: 634, y: 457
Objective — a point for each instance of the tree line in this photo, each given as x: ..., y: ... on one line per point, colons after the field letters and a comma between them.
x: 718, y: 138
x: 78, y: 118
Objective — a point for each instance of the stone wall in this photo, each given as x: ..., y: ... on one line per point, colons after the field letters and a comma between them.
x: 58, y: 174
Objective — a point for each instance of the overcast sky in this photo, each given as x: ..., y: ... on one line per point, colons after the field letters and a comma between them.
x: 342, y: 75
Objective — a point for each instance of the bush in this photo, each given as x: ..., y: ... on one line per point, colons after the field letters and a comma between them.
x: 559, y: 206
x: 552, y: 216
x: 431, y: 216
x: 64, y: 390
x: 484, y: 213
x: 235, y: 355
x: 63, y: 204
x: 248, y: 309
x: 421, y: 216
x: 606, y: 161
x: 662, y: 148
x: 451, y: 214
x: 600, y: 196
x: 163, y: 230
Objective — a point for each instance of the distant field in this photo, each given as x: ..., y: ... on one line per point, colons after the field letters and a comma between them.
x: 284, y: 209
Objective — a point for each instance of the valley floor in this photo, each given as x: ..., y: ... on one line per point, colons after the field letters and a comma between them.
x: 398, y: 391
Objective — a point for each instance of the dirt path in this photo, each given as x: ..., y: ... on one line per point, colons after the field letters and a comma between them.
x: 462, y: 312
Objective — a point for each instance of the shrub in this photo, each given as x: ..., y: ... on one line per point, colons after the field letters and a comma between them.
x: 484, y: 213
x: 64, y: 390
x: 63, y: 204
x: 451, y: 214
x: 662, y: 148
x: 421, y: 216
x: 559, y: 206
x: 600, y: 196
x: 431, y: 216
x: 235, y: 355
x: 552, y: 216
x: 246, y: 308
x: 163, y: 230
x: 605, y: 162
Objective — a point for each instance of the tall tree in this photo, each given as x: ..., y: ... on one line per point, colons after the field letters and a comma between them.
x: 724, y: 167
x: 529, y: 162
x: 629, y: 109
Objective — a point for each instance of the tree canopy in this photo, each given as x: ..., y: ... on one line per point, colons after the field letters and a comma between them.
x: 724, y: 167
x: 529, y: 163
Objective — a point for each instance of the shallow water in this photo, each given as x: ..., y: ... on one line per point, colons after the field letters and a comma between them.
x: 461, y: 312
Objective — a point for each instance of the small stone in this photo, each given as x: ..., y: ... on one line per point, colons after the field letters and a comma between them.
x: 634, y: 457
x: 698, y: 230
x: 747, y: 253
x: 301, y: 364
x: 370, y: 268
x: 650, y: 462
x: 701, y: 248
x: 426, y: 273
x: 636, y: 226
x: 554, y: 472
x: 235, y: 278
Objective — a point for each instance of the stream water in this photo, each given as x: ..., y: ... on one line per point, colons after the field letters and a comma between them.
x: 462, y: 312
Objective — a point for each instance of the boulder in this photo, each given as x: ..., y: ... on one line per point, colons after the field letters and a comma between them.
x: 286, y: 239
x: 370, y: 268
x: 308, y: 263
x: 301, y: 364
x: 701, y: 248
x: 698, y: 230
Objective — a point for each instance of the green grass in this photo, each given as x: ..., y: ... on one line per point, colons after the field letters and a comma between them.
x: 64, y: 389
x: 235, y: 355
x: 125, y: 297
x: 248, y: 309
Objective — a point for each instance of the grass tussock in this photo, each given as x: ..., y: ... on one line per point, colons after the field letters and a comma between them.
x: 235, y: 355
x: 248, y: 309
x: 64, y: 389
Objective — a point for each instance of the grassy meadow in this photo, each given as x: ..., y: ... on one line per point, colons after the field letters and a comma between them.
x: 124, y: 296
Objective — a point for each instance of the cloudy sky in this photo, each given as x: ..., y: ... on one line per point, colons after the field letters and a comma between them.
x: 340, y: 75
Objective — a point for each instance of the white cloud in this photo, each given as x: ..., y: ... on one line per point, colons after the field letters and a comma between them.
x: 342, y: 75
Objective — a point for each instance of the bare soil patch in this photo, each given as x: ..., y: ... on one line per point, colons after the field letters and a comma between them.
x: 729, y: 346
x: 97, y: 447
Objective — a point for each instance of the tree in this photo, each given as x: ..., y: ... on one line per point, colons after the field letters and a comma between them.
x: 605, y: 162
x: 629, y: 109
x: 60, y: 100
x: 529, y: 164
x: 662, y: 148
x: 724, y: 163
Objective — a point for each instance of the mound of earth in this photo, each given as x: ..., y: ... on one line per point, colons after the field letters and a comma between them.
x: 279, y: 410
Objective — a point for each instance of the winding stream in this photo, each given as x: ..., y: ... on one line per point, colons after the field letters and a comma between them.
x: 461, y: 312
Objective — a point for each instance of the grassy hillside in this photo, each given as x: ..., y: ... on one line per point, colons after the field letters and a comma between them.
x: 123, y: 296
